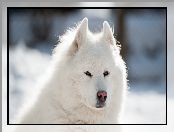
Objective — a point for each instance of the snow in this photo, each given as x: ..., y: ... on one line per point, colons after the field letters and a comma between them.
x: 145, y: 108
x: 25, y: 67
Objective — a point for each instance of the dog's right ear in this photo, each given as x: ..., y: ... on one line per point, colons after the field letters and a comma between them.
x: 81, y: 34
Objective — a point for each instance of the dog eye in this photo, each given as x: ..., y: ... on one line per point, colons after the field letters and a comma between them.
x: 106, y: 73
x: 88, y: 73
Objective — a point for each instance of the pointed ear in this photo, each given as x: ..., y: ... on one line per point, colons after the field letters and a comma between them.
x: 81, y: 33
x: 107, y: 33
x: 80, y: 36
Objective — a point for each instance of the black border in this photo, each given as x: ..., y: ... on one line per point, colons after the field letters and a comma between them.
x: 76, y: 8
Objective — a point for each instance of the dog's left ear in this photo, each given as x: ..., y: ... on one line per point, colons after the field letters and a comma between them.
x: 81, y: 34
x: 107, y: 33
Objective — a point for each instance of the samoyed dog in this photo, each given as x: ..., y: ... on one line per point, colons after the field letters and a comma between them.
x: 86, y: 82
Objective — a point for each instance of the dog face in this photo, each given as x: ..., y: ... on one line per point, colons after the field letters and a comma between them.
x: 96, y: 66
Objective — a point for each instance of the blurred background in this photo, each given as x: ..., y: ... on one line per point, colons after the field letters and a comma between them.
x: 33, y: 34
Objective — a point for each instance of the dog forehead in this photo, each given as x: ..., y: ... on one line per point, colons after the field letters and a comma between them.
x: 96, y: 62
x: 96, y: 48
x: 95, y: 53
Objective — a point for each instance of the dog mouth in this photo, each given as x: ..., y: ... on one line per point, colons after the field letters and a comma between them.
x: 100, y: 104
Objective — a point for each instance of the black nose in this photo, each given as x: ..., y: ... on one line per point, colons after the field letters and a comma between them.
x: 101, y: 96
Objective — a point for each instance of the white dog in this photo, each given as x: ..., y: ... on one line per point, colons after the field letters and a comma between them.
x: 87, y: 81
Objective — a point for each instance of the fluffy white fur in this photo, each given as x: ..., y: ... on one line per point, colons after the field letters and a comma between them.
x: 68, y: 96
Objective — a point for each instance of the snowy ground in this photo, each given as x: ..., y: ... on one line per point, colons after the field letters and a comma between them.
x: 27, y: 65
